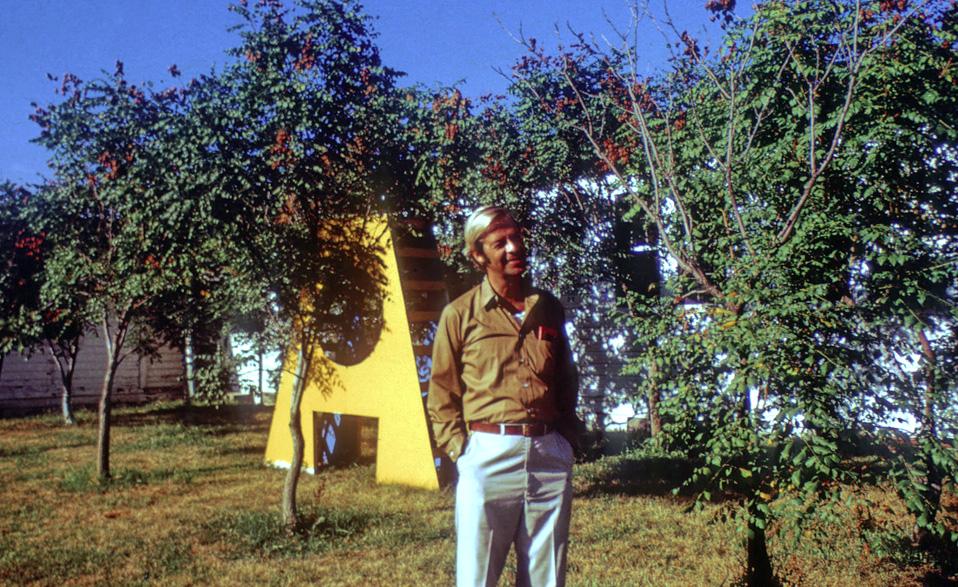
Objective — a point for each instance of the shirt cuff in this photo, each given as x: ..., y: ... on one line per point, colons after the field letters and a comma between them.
x: 454, y: 448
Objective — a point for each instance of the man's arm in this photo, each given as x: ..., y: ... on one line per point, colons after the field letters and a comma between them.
x: 445, y: 386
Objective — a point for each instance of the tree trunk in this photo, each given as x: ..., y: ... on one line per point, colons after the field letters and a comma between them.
x: 759, y: 572
x: 928, y: 424
x: 66, y: 362
x: 103, y: 434
x: 655, y: 396
x: 745, y: 408
x: 655, y: 419
x: 259, y: 388
x: 188, y: 366
x: 66, y: 395
x: 225, y: 348
x: 290, y: 515
x: 600, y: 436
x: 931, y: 496
x: 114, y: 348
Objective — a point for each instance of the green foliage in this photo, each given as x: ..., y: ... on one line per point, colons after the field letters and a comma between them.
x: 795, y: 187
x: 215, y: 375
x: 21, y: 253
x: 178, y: 210
x: 118, y: 232
x: 292, y: 133
x: 299, y: 142
x: 803, y: 203
x: 920, y: 477
x: 517, y: 156
x: 108, y: 239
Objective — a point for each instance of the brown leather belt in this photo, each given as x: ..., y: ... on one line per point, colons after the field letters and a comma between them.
x: 533, y: 429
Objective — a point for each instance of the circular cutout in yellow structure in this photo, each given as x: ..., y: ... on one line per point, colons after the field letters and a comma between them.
x: 353, y: 332
x: 353, y: 288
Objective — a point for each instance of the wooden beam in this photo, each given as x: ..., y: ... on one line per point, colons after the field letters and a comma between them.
x: 423, y: 285
x: 423, y: 315
x: 417, y: 252
x: 422, y: 349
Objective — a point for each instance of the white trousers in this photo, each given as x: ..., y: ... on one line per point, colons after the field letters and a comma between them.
x: 513, y: 490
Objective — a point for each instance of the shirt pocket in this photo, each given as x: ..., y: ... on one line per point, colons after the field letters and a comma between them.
x: 485, y: 352
x: 543, y: 357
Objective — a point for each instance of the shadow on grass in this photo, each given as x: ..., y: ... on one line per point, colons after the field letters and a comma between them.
x: 943, y: 554
x: 21, y: 451
x: 221, y: 419
x: 937, y: 555
x: 242, y: 450
x: 84, y: 479
x: 45, y: 562
x: 262, y: 533
x: 635, y: 475
x: 64, y: 442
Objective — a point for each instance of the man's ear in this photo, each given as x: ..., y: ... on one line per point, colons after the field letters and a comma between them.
x: 478, y: 259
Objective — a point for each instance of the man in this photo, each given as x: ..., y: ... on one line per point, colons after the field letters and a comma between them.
x: 502, y: 403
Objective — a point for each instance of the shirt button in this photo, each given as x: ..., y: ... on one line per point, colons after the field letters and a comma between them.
x: 525, y: 385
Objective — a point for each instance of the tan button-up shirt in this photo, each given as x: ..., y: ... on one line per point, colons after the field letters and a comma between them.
x: 486, y: 367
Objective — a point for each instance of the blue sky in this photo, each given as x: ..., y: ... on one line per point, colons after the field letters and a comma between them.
x: 433, y: 41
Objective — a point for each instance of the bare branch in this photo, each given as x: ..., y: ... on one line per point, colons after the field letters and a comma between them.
x: 696, y: 57
x: 816, y: 169
x: 729, y: 156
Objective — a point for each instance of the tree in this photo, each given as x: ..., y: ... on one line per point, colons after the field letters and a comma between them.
x: 907, y: 148
x: 209, y: 291
x: 20, y: 260
x: 752, y: 165
x: 297, y: 131
x: 61, y: 326
x: 115, y: 225
x: 27, y: 323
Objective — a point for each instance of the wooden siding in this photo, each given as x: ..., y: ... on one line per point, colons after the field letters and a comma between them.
x: 32, y: 383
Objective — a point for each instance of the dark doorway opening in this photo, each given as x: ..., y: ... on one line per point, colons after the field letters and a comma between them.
x: 344, y: 439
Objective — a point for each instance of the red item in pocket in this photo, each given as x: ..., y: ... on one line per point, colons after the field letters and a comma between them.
x: 546, y: 333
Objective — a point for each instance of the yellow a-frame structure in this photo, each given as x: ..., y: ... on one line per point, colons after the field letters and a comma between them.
x: 387, y: 385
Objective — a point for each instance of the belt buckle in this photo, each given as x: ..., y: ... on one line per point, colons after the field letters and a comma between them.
x: 526, y: 430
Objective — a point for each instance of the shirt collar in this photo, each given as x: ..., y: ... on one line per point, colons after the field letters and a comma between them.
x: 490, y: 299
x: 487, y: 295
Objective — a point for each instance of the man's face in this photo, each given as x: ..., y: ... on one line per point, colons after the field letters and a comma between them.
x: 503, y: 251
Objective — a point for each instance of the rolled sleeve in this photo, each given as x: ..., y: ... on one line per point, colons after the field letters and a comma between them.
x: 445, y: 386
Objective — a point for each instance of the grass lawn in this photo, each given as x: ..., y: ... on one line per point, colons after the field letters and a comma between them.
x: 192, y: 503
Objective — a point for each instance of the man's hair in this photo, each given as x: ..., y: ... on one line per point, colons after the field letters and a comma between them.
x: 480, y: 223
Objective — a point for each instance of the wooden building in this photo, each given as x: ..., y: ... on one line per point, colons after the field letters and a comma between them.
x: 30, y: 384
